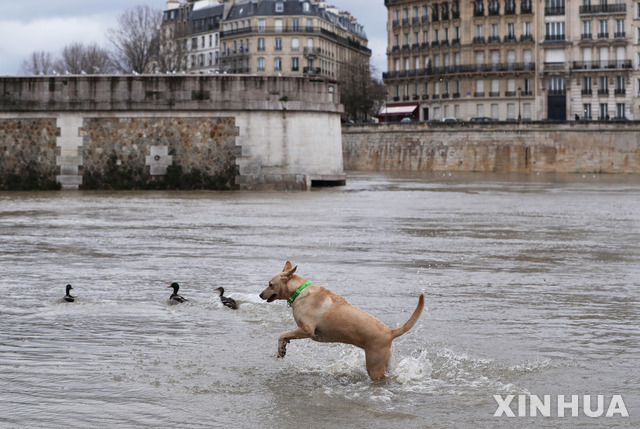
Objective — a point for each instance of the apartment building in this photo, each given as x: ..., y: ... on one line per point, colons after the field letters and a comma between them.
x: 512, y: 60
x: 279, y: 37
x: 290, y: 38
x: 190, y: 37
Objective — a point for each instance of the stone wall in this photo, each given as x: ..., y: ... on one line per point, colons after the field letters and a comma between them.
x: 28, y: 154
x: 153, y: 153
x: 287, y: 130
x: 572, y: 147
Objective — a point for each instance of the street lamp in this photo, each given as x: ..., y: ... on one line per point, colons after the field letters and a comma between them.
x: 519, y: 95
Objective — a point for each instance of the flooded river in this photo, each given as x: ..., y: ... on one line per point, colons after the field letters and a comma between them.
x: 532, y: 287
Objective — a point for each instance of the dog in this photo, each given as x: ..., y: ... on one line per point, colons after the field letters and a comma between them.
x: 327, y: 317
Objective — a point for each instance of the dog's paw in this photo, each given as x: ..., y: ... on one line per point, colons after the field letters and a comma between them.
x: 282, y: 349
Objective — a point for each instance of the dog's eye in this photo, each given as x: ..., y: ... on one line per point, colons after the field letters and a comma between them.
x: 270, y: 284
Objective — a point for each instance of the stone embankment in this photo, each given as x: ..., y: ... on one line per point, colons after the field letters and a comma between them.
x: 571, y: 147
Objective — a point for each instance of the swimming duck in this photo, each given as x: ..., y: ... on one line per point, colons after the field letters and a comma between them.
x: 229, y: 302
x: 68, y: 296
x: 175, y: 298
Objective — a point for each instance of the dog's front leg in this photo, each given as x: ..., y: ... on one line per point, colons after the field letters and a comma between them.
x: 288, y: 336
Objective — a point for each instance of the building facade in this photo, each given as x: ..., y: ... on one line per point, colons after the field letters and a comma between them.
x: 513, y: 60
x: 290, y: 38
x: 270, y: 37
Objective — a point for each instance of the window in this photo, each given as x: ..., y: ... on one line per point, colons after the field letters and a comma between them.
x: 526, y: 111
x: 479, y: 31
x: 526, y: 29
x: 277, y: 64
x: 586, y: 29
x: 511, y: 30
x: 479, y: 109
x: 619, y: 28
x: 279, y: 6
x: 295, y: 44
x: 620, y: 87
x: 586, y: 85
x: 603, y: 85
x: 604, y: 112
x: 261, y: 43
x: 511, y: 112
x: 260, y: 64
x: 194, y: 43
x: 262, y: 25
x: 494, y: 112
x: 620, y: 110
x: 278, y: 25
x: 555, y: 30
x: 586, y: 111
x: 479, y: 89
x: 295, y: 64
x: 295, y: 25
x: 278, y: 44
x: 603, y: 29
x: 305, y: 7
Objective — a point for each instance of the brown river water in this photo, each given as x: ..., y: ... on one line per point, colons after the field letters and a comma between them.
x: 532, y: 287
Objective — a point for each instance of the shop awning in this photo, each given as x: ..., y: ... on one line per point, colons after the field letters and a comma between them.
x: 398, y: 110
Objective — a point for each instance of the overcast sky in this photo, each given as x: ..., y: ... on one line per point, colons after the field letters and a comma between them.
x: 49, y: 25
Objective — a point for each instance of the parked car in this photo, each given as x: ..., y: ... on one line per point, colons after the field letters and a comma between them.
x: 449, y: 120
x: 480, y: 119
x: 406, y: 120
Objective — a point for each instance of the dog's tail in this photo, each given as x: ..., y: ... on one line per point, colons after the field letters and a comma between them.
x: 395, y: 333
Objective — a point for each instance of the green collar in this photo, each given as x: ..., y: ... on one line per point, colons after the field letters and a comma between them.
x: 295, y: 294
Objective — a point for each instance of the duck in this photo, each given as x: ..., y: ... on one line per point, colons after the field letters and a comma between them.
x: 68, y: 296
x: 229, y: 302
x: 175, y: 298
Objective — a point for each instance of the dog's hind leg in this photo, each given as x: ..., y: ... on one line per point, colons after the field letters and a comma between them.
x: 288, y: 336
x: 377, y: 361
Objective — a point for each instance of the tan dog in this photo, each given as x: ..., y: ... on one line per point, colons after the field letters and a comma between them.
x: 327, y: 317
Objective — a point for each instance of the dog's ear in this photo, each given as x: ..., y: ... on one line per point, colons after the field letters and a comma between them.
x: 287, y: 266
x: 287, y: 274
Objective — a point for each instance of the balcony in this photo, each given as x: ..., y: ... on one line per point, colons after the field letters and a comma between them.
x: 425, y: 19
x: 405, y: 22
x: 494, y: 11
x: 405, y: 47
x: 526, y: 93
x: 510, y: 38
x: 456, y: 95
x: 510, y: 8
x: 586, y: 36
x: 478, y: 94
x: 525, y: 7
x: 478, y: 39
x: 554, y: 11
x: 493, y: 39
x: 509, y: 93
x: 444, y: 43
x: 603, y: 35
x: 435, y: 44
x: 526, y: 38
x: 599, y: 65
x: 620, y: 91
x: 603, y: 91
x: 455, y: 42
x: 465, y: 68
x: 415, y: 20
x: 425, y: 96
x: 312, y: 70
x: 494, y: 94
x: 587, y: 91
x: 415, y: 46
x: 619, y: 35
x: 395, y: 23
x: 603, y: 8
x: 554, y: 38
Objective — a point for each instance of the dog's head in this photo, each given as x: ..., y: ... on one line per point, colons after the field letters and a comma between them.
x: 277, y: 288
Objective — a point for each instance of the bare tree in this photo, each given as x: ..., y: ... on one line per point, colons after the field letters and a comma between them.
x: 360, y: 94
x: 135, y: 39
x: 39, y: 62
x: 77, y: 58
x: 172, y: 54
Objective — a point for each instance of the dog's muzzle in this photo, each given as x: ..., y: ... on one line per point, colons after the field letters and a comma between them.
x: 270, y: 299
